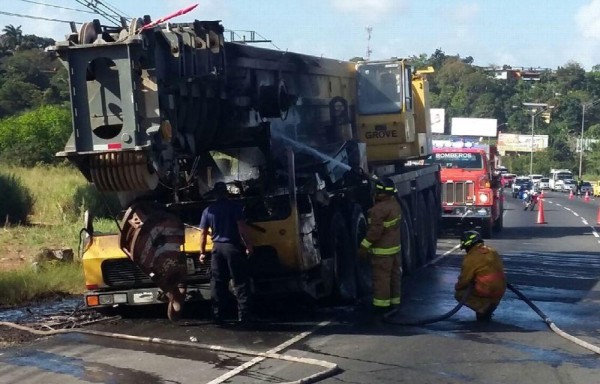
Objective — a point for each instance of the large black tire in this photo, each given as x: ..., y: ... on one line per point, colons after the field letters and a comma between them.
x: 486, y: 229
x: 421, y: 230
x: 342, y: 250
x: 434, y: 224
x: 407, y: 240
x: 499, y: 223
x: 358, y: 231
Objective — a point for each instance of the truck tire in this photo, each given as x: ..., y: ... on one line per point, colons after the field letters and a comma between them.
x: 407, y: 239
x: 343, y: 253
x: 421, y: 231
x: 358, y: 231
x: 486, y: 229
x: 499, y: 223
x: 434, y: 225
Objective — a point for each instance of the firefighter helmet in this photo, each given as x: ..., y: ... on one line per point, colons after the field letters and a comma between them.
x: 469, y: 239
x: 386, y: 185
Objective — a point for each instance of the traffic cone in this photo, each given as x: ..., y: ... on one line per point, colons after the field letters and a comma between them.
x: 587, y: 197
x: 540, y: 217
x: 598, y: 217
x: 571, y: 194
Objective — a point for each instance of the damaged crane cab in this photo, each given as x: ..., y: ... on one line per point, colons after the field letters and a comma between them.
x: 161, y: 114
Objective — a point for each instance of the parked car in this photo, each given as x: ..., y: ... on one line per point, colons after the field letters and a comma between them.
x: 569, y: 186
x: 586, y: 187
x: 559, y: 186
x: 543, y: 184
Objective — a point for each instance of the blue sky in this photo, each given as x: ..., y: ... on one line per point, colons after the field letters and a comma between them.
x: 527, y: 33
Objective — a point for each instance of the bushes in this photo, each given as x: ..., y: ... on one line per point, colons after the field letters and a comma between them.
x: 35, y: 136
x: 17, y: 201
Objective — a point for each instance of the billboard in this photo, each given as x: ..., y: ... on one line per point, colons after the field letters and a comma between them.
x: 469, y: 126
x: 510, y: 142
x: 437, y: 116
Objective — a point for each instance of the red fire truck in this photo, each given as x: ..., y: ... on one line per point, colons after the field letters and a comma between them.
x: 471, y: 189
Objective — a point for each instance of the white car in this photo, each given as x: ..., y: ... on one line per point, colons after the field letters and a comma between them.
x: 543, y: 184
x: 559, y: 185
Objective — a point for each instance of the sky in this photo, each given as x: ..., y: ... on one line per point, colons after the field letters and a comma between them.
x: 525, y: 33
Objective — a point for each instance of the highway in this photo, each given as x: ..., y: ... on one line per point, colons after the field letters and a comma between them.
x: 556, y: 265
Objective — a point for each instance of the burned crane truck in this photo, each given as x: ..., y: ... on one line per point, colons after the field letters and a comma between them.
x: 162, y: 114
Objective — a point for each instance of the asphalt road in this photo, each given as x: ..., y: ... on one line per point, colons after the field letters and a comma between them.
x: 556, y: 265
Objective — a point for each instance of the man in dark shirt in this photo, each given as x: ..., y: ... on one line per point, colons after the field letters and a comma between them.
x: 230, y: 251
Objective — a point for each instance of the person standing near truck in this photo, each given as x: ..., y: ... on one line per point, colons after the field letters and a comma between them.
x: 482, y: 266
x: 231, y: 248
x: 382, y: 244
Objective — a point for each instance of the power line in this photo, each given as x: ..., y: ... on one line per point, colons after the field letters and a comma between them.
x: 56, y: 6
x: 112, y: 8
x: 95, y: 5
x: 37, y: 17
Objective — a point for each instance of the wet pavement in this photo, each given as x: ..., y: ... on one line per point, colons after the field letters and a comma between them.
x: 556, y: 265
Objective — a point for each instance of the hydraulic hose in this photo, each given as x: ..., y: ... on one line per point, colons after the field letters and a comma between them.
x: 387, y: 318
x: 551, y: 324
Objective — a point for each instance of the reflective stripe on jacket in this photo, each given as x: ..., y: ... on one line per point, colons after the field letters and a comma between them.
x: 483, y: 265
x: 383, y: 233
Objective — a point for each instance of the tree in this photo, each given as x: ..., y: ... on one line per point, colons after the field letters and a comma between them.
x: 12, y: 37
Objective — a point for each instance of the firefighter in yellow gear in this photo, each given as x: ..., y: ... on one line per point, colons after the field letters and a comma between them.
x: 382, y: 245
x: 483, y: 266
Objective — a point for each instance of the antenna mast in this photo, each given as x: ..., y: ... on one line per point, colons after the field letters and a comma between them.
x: 369, y: 29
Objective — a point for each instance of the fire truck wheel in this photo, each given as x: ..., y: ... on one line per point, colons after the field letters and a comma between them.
x: 342, y: 250
x: 422, y: 232
x: 358, y: 231
x: 434, y: 219
x: 407, y: 239
x: 499, y: 223
x: 486, y: 229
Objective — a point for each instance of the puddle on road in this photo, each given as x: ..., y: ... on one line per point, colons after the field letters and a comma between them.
x: 78, y: 368
x: 35, y: 311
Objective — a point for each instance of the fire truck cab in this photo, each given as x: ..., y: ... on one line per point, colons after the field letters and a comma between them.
x: 471, y: 188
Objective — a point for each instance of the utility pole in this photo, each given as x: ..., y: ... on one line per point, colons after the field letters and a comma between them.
x: 369, y: 30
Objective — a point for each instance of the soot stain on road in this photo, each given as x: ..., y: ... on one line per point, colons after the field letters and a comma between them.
x: 78, y: 368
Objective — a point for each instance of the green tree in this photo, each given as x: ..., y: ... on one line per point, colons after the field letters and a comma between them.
x: 35, y: 136
x: 12, y: 37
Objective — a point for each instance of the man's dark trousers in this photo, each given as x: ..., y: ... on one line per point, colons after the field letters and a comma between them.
x: 229, y: 261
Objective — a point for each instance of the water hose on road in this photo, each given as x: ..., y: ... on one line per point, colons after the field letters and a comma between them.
x: 387, y: 317
x: 551, y: 324
x: 330, y: 368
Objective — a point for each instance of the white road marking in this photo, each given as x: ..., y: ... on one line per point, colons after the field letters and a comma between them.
x: 258, y: 359
x: 575, y: 213
x: 595, y: 233
x: 584, y: 221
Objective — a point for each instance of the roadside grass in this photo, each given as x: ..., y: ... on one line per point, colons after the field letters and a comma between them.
x: 61, y: 194
x: 48, y: 280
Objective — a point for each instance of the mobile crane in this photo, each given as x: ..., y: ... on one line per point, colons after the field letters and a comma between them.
x: 161, y: 114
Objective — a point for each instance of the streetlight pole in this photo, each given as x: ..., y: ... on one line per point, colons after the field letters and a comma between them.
x: 535, y: 111
x: 533, y: 115
x: 583, y: 107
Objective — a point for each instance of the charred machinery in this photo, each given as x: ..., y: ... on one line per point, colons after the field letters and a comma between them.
x: 161, y: 114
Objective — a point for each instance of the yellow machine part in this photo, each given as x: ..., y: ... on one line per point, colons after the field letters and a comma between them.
x: 106, y: 246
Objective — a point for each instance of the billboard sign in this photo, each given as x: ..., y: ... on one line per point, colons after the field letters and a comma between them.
x: 438, y: 120
x: 510, y: 142
x: 469, y: 126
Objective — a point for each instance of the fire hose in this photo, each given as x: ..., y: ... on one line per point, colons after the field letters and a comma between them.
x: 582, y: 343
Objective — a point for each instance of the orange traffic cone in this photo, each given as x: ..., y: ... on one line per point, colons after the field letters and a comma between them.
x: 540, y: 217
x: 598, y: 217
x: 587, y: 197
x: 571, y: 194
